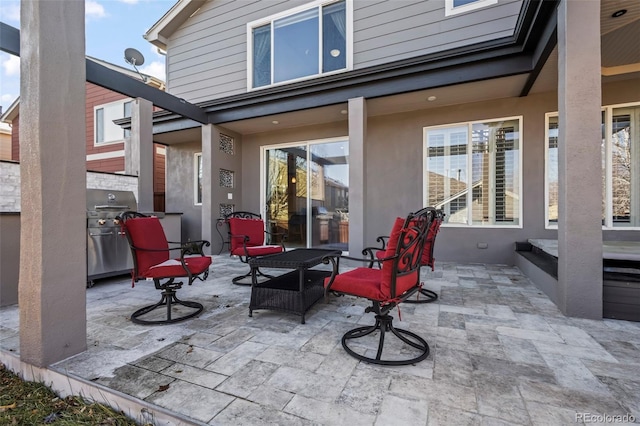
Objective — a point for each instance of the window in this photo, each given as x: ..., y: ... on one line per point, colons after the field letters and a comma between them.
x: 453, y: 7
x: 197, y: 179
x: 105, y: 130
x: 473, y: 173
x: 620, y: 167
x: 304, y: 42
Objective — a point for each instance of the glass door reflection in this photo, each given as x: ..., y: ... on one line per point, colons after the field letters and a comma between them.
x: 307, y: 194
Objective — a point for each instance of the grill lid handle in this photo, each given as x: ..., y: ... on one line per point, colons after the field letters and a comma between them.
x: 108, y: 206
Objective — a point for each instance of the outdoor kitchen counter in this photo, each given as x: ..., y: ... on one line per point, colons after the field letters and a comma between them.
x: 9, y: 257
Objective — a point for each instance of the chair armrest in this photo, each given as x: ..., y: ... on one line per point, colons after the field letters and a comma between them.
x: 195, y: 246
x: 370, y: 252
x: 334, y: 260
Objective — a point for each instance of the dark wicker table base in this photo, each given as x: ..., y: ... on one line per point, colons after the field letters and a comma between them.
x: 283, y: 293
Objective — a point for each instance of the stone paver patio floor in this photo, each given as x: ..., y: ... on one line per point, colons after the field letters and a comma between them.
x: 501, y: 354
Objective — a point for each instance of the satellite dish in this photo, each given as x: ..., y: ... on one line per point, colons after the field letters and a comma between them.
x: 133, y: 57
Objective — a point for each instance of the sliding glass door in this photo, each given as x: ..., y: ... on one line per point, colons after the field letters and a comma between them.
x: 306, y: 193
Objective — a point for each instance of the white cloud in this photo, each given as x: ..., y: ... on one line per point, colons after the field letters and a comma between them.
x: 7, y: 99
x: 93, y: 9
x: 156, y: 69
x: 10, y: 12
x: 11, y: 65
x: 154, y: 50
x: 129, y: 1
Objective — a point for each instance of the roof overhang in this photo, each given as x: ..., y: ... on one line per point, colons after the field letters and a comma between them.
x: 159, y: 33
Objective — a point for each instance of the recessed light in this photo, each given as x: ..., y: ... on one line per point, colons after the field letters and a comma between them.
x: 275, y: 122
x: 335, y: 53
x: 431, y: 98
x: 344, y: 111
x: 619, y: 13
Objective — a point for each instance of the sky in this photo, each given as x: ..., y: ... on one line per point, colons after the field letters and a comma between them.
x: 111, y: 26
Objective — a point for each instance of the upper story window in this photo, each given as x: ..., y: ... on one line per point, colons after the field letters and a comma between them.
x: 304, y: 42
x: 105, y: 130
x: 472, y: 172
x: 620, y: 167
x: 453, y: 7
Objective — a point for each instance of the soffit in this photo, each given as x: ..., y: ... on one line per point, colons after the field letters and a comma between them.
x: 619, y: 47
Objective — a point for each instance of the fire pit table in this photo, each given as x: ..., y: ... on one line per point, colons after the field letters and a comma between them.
x: 293, y: 292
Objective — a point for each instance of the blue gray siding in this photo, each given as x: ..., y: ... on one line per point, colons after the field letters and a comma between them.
x: 207, y: 55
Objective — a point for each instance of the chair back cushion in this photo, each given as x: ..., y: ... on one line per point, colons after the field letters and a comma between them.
x: 427, y: 254
x: 147, y: 233
x: 241, y: 227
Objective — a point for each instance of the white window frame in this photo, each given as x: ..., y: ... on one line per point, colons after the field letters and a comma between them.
x: 469, y: 125
x: 450, y: 10
x: 269, y: 20
x: 103, y: 107
x: 608, y: 216
x: 197, y: 158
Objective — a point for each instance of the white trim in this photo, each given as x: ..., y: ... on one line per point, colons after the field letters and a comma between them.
x: 195, y: 178
x: 450, y: 10
x: 95, y: 127
x: 547, y: 225
x: 269, y: 21
x: 106, y: 155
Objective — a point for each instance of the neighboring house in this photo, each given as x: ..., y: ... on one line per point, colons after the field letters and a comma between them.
x: 451, y: 103
x: 105, y: 143
x: 5, y: 141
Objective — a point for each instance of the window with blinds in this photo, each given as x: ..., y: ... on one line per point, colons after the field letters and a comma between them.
x: 620, y: 166
x: 490, y: 193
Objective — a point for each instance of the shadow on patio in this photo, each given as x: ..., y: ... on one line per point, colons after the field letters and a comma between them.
x: 501, y: 353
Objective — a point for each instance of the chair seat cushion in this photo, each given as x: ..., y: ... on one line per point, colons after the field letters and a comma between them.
x: 256, y: 250
x: 362, y: 282
x: 173, y: 267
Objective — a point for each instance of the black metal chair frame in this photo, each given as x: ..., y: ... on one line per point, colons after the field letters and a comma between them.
x: 429, y: 295
x: 246, y: 257
x: 168, y: 286
x: 405, y: 254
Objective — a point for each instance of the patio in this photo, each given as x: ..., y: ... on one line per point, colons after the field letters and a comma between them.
x: 501, y: 353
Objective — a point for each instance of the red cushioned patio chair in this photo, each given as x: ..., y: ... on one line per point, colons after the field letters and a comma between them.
x: 247, y: 239
x: 152, y: 261
x: 395, y: 282
x: 377, y: 253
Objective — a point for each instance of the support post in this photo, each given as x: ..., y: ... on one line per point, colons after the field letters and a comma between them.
x: 357, y: 172
x: 580, y: 160
x: 53, y: 266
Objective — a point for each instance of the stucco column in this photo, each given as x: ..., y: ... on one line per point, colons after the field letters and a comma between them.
x: 357, y: 173
x: 139, y: 152
x: 53, y: 266
x: 210, y: 135
x: 579, y: 159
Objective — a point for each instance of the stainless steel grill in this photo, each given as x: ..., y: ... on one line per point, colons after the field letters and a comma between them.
x: 108, y: 252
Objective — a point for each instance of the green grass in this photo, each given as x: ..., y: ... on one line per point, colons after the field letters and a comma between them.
x: 31, y: 403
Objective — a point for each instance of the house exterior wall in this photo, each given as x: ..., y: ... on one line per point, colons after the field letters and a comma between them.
x: 5, y: 143
x: 394, y: 170
x: 207, y: 55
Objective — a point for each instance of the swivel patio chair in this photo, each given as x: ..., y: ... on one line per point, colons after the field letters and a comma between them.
x: 247, y: 236
x: 377, y: 253
x: 395, y: 282
x: 152, y: 261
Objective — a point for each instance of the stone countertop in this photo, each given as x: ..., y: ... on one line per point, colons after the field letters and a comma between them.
x: 615, y: 250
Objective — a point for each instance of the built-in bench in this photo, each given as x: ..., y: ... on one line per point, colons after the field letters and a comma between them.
x: 538, y: 259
